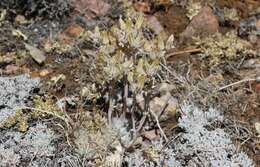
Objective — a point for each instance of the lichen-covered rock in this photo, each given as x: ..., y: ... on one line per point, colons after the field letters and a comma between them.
x: 35, y: 145
x: 202, y: 143
x: 205, y: 144
x: 13, y: 93
x: 8, y: 157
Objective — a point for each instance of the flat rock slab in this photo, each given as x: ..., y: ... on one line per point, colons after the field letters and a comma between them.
x: 13, y: 93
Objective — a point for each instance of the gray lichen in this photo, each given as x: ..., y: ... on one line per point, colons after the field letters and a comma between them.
x: 13, y: 93
x: 204, y: 144
x: 8, y: 157
x: 201, y: 144
x: 36, y: 144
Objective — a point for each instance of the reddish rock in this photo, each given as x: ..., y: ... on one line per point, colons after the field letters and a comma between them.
x: 11, y: 69
x: 215, y: 78
x: 257, y: 88
x: 74, y: 30
x: 203, y: 23
x: 151, y: 135
x: 98, y: 7
x: 20, y: 19
x: 142, y: 7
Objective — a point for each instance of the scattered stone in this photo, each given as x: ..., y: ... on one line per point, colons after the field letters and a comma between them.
x: 165, y: 103
x: 2, y: 15
x: 164, y: 106
x: 153, y: 23
x: 215, y: 77
x: 98, y: 7
x: 11, y: 69
x: 257, y: 88
x: 203, y: 23
x: 74, y: 30
x: 252, y: 63
x: 164, y: 88
x: 151, y: 134
x: 36, y: 54
x: 44, y: 73
x: 21, y: 19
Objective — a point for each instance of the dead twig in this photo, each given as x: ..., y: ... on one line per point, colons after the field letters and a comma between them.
x: 133, y: 121
x: 173, y: 73
x: 163, y: 109
x: 141, y: 123
x: 169, y: 142
x: 159, y: 126
x: 236, y: 83
x: 110, y: 110
x: 125, y: 97
x: 196, y: 50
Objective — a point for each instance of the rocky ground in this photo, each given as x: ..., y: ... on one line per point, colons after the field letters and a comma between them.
x: 169, y: 83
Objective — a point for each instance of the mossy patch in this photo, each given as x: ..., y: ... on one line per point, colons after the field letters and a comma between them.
x: 43, y: 108
x: 221, y: 49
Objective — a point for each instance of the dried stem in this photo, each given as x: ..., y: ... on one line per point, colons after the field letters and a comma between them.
x: 159, y: 126
x: 133, y: 121
x: 163, y: 109
x: 126, y: 89
x: 236, y: 83
x: 183, y: 52
x: 110, y: 110
x: 173, y: 73
x: 141, y: 123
